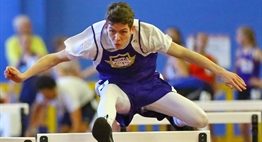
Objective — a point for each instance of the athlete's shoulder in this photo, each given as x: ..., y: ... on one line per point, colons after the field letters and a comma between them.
x: 98, y: 26
x: 146, y: 26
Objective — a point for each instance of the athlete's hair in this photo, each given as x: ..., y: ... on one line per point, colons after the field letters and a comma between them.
x: 249, y: 34
x: 45, y: 82
x: 120, y: 12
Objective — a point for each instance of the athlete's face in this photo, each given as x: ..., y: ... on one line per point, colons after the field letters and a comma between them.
x: 119, y: 34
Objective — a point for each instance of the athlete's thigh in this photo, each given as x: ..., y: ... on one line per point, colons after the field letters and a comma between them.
x: 174, y: 104
x: 114, y: 94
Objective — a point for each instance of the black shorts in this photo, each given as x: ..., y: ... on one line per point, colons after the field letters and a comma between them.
x: 88, y: 113
x: 245, y: 94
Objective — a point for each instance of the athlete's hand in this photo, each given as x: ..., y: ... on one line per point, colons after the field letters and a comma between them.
x: 233, y: 80
x: 12, y: 73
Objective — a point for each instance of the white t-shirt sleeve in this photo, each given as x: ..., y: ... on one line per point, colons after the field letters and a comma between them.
x: 154, y: 40
x: 70, y: 100
x: 81, y: 45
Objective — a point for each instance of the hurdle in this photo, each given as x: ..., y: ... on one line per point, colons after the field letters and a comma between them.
x: 214, y: 118
x: 17, y: 139
x: 20, y: 109
x: 175, y: 136
x: 233, y: 105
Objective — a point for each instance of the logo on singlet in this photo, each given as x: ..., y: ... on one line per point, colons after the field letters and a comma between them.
x: 121, y: 60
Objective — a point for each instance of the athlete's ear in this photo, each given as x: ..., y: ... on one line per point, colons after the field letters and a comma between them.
x: 132, y: 29
x: 106, y: 25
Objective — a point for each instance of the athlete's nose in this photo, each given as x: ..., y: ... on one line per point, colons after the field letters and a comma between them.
x: 117, y: 36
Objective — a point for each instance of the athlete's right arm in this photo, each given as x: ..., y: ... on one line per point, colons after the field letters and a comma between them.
x: 46, y: 62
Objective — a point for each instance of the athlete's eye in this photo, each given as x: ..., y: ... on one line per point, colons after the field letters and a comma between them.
x: 112, y: 31
x: 124, y: 32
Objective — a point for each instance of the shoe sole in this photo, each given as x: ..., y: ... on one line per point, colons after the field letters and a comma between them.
x: 102, y: 131
x: 184, y: 128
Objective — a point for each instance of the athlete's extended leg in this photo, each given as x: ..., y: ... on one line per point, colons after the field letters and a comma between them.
x: 183, y: 110
x: 112, y: 100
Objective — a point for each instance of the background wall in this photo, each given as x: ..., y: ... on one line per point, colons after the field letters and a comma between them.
x: 53, y: 18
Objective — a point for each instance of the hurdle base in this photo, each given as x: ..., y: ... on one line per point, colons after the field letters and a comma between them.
x: 167, y: 136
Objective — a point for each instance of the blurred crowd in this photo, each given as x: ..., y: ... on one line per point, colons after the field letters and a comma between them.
x: 66, y: 88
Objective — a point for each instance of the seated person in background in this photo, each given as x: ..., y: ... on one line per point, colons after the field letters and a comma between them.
x: 175, y: 68
x: 200, y: 72
x: 203, y: 74
x: 59, y: 45
x: 176, y: 72
x: 74, y: 101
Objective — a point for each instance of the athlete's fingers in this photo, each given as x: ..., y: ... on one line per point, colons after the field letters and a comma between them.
x: 235, y: 85
x: 239, y: 86
x: 12, y: 70
x: 239, y: 83
x: 241, y: 80
x: 6, y: 73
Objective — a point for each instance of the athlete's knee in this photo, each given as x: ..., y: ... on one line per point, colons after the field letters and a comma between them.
x: 201, y: 120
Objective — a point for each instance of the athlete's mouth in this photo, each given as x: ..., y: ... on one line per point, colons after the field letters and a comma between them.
x: 117, y: 44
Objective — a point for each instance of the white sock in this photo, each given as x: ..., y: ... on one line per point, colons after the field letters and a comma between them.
x: 106, y: 107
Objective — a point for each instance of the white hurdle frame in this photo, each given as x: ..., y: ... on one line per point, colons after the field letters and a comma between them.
x: 235, y: 105
x: 214, y: 118
x: 17, y: 139
x: 232, y: 105
x: 10, y: 108
x: 175, y: 136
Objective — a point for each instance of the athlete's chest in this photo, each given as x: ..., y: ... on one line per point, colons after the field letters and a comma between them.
x: 120, y: 59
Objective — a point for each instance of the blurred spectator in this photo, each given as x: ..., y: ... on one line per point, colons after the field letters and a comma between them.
x: 25, y: 61
x: 176, y: 72
x: 73, y: 99
x: 59, y: 45
x: 247, y: 66
x: 14, y: 50
x: 22, y: 50
x: 175, y: 68
x: 201, y: 73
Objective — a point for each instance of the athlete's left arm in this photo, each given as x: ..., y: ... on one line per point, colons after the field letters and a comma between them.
x: 230, y: 79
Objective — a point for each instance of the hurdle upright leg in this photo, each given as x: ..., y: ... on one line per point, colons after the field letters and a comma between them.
x: 254, y: 120
x: 23, y: 119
